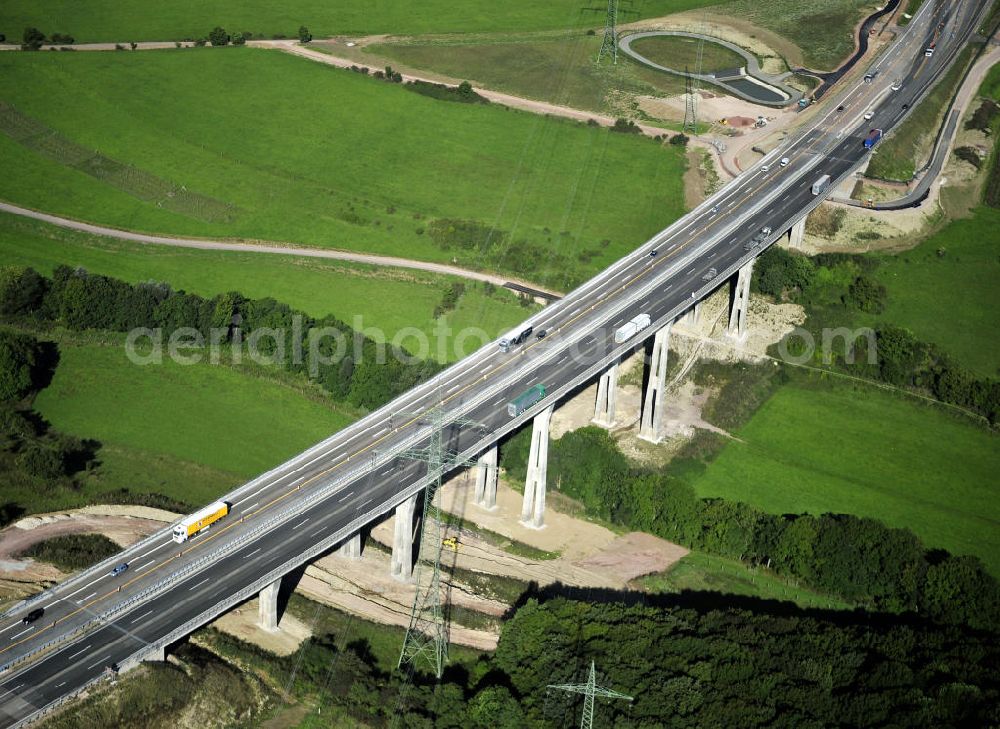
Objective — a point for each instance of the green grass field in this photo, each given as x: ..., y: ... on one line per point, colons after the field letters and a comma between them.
x: 699, y: 571
x: 898, y: 156
x: 203, y: 414
x: 871, y: 453
x: 679, y: 53
x: 209, y: 142
x: 105, y: 20
x: 387, y: 300
x: 824, y: 31
x: 560, y: 70
x: 959, y: 264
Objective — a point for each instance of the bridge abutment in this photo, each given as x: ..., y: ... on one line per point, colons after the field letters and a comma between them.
x: 740, y: 301
x: 651, y: 420
x: 607, y: 395
x: 486, y: 479
x: 401, y: 563
x: 533, y: 506
x: 269, y: 606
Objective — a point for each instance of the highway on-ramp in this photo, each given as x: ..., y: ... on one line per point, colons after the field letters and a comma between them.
x: 306, y: 505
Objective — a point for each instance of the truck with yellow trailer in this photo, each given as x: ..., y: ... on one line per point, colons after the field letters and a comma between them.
x: 199, y: 521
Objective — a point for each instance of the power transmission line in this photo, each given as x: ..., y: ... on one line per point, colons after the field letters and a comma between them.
x: 589, y: 691
x: 427, y: 634
x: 609, y: 44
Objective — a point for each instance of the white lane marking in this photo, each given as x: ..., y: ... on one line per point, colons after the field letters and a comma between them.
x: 252, y: 553
x: 317, y: 531
x: 500, y: 401
x: 141, y: 617
x: 99, y: 661
x: 61, y: 685
x: 367, y: 502
x: 343, y: 497
x: 11, y: 626
x: 89, y: 584
x: 300, y: 523
x: 250, y: 496
x: 82, y: 650
x: 159, y: 546
x: 18, y: 635
x: 10, y: 691
x: 694, y: 267
x: 195, y: 587
x: 387, y: 471
x: 152, y: 561
x: 84, y: 599
x: 452, y: 389
x: 484, y: 369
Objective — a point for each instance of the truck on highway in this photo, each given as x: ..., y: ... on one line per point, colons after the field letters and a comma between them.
x: 632, y: 327
x: 525, y: 400
x: 200, y: 520
x: 513, y: 338
x: 821, y: 184
x: 872, y: 139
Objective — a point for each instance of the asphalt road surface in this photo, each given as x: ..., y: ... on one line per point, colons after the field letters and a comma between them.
x: 305, y: 506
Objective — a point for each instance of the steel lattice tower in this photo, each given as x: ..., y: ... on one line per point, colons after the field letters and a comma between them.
x: 589, y: 691
x: 610, y: 44
x: 427, y: 634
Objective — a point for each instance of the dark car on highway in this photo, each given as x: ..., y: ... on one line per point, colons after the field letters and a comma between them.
x: 32, y: 616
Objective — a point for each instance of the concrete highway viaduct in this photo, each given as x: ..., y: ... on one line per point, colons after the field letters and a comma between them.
x: 325, y: 498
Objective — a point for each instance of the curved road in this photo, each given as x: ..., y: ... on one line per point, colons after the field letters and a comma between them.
x: 273, y: 248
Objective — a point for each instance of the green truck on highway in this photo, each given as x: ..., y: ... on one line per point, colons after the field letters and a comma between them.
x: 525, y: 400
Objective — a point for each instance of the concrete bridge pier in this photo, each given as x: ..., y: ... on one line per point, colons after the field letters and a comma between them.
x: 269, y: 606
x: 401, y: 563
x: 692, y: 316
x: 607, y: 395
x: 533, y: 507
x: 350, y: 548
x: 740, y: 301
x: 796, y: 233
x: 486, y: 480
x: 651, y: 420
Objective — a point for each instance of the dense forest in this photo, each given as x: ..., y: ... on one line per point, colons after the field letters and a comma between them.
x: 690, y: 660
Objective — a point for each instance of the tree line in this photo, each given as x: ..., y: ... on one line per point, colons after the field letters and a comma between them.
x: 901, y: 358
x: 858, y: 559
x: 363, y: 372
x: 688, y: 660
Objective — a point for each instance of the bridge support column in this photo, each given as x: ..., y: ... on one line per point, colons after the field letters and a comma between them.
x: 533, y: 507
x: 607, y: 395
x: 692, y: 316
x: 269, y: 606
x: 651, y: 420
x: 486, y: 480
x: 796, y: 233
x: 350, y: 548
x: 401, y: 563
x: 740, y: 301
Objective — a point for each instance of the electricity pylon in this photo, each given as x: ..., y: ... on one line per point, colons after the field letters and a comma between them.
x: 609, y: 44
x: 427, y: 634
x: 589, y: 691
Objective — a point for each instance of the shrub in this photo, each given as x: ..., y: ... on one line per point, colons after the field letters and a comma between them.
x: 32, y: 39
x: 625, y: 126
x: 73, y: 552
x: 62, y: 38
x: 825, y: 221
x: 304, y: 35
x: 218, y: 36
